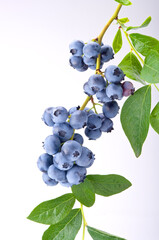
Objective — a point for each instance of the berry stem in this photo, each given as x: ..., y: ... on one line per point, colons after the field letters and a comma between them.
x: 131, y: 46
x: 85, y: 103
x: 84, y: 222
x: 114, y: 16
x: 92, y: 100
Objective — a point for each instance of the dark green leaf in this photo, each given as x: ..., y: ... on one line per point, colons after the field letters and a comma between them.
x: 53, y: 211
x: 154, y: 118
x: 67, y: 229
x: 144, y: 24
x: 150, y: 71
x: 117, y: 42
x: 131, y: 67
x: 135, y: 118
x: 123, y: 20
x: 100, y: 235
x: 84, y: 193
x: 108, y: 185
x: 143, y: 44
x: 124, y: 2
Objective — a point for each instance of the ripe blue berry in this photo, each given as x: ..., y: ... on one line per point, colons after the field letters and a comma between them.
x: 91, y: 49
x: 44, y: 162
x: 78, y: 138
x: 114, y: 91
x: 48, y: 180
x: 114, y: 74
x: 96, y: 82
x: 76, y: 62
x: 76, y: 48
x: 59, y: 114
x: 71, y: 150
x: 76, y: 175
x: 110, y: 109
x: 88, y: 90
x: 128, y: 88
x: 47, y: 117
x: 52, y: 144
x: 89, y: 61
x: 107, y: 125
x: 65, y: 184
x: 93, y: 134
x: 102, y: 96
x: 73, y: 109
x: 86, y: 159
x: 78, y: 119
x: 56, y: 174
x: 63, y: 130
x: 61, y: 162
x: 94, y: 121
x: 106, y: 53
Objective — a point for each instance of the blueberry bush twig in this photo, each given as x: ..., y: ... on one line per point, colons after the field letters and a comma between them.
x: 66, y: 159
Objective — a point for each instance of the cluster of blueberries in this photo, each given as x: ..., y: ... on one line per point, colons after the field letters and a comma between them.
x: 84, y: 56
x: 66, y: 159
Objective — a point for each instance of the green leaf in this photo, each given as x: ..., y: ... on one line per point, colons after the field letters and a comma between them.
x: 154, y: 118
x: 143, y: 44
x: 150, y: 71
x: 84, y: 193
x: 117, y: 42
x: 135, y: 118
x: 124, y: 2
x: 66, y: 229
x: 53, y: 211
x: 144, y: 24
x: 131, y: 67
x: 108, y: 185
x: 100, y: 235
x: 123, y: 20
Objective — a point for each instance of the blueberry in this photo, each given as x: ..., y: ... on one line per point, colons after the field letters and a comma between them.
x: 102, y: 96
x: 86, y: 159
x: 76, y: 175
x: 63, y: 130
x: 73, y: 109
x: 110, y: 109
x: 107, y: 125
x: 106, y: 53
x: 71, y: 150
x: 88, y: 111
x: 78, y: 138
x: 47, y: 117
x: 65, y: 184
x: 76, y: 62
x: 91, y: 49
x: 89, y: 61
x: 48, y: 180
x: 96, y: 82
x: 78, y: 119
x: 93, y: 134
x: 56, y: 174
x: 94, y: 121
x: 52, y: 144
x: 88, y: 90
x: 114, y: 91
x: 44, y: 162
x: 114, y: 74
x: 76, y: 48
x: 61, y: 162
x: 59, y: 114
x: 83, y: 68
x: 128, y: 88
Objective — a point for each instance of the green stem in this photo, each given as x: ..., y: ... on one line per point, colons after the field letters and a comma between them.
x: 114, y: 16
x: 85, y: 103
x: 84, y: 222
x: 156, y: 87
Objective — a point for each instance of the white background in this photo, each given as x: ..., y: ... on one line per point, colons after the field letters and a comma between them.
x: 34, y: 75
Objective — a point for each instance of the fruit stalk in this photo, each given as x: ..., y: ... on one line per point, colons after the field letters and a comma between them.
x: 84, y: 222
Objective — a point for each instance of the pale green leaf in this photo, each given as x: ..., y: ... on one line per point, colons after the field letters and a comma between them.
x: 144, y: 24
x: 154, y: 118
x: 117, y: 42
